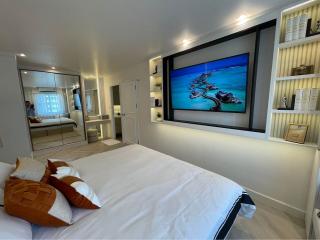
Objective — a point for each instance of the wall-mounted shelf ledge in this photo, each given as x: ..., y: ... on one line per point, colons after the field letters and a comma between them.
x: 295, y: 112
x: 281, y: 140
x: 298, y: 42
x: 298, y: 77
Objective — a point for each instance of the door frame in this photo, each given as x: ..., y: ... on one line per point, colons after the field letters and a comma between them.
x: 136, y: 81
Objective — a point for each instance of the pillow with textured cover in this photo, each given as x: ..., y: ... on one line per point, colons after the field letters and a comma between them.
x: 79, y: 193
x: 29, y: 169
x: 36, y: 202
x: 62, y: 168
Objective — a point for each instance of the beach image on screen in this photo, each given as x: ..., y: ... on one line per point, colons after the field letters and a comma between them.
x: 218, y: 86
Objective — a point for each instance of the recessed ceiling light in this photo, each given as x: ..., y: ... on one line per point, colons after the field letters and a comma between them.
x: 21, y: 55
x: 25, y: 72
x: 242, y: 19
x: 53, y: 68
x: 186, y: 42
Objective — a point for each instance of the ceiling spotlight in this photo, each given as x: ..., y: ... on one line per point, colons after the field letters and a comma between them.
x: 25, y: 72
x: 53, y: 68
x: 186, y: 42
x: 21, y: 55
x: 242, y: 19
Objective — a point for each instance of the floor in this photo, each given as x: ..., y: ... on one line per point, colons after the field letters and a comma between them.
x: 57, y: 139
x: 268, y: 223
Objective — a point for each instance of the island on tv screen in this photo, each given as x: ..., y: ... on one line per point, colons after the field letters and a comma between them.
x: 218, y: 86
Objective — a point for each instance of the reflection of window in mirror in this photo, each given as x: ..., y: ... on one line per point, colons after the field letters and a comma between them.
x: 91, y: 94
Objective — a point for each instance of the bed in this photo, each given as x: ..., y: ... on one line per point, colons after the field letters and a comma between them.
x: 150, y: 195
x: 51, y: 125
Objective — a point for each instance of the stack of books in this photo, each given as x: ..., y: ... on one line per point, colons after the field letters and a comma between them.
x: 307, y: 99
x: 296, y: 27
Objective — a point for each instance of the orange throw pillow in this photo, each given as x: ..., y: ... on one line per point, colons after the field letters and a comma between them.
x: 61, y: 168
x: 36, y: 202
x: 79, y: 193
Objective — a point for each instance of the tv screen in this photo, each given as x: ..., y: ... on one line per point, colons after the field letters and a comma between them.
x: 218, y: 86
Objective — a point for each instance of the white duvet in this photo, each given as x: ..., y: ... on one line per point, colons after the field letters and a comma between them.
x: 148, y: 195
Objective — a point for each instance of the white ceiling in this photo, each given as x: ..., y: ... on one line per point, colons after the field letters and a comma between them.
x: 101, y: 36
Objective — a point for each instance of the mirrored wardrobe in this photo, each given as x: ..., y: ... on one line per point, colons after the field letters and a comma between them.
x: 54, y: 108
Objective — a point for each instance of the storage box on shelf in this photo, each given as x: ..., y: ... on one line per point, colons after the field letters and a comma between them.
x: 292, y: 53
x: 156, y: 94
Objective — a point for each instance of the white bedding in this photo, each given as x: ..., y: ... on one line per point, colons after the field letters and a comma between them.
x: 148, y: 195
x: 52, y: 122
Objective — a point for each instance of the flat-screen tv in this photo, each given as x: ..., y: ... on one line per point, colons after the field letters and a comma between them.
x: 217, y: 86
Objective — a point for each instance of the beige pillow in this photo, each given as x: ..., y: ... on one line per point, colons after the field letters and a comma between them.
x: 36, y: 202
x: 29, y: 169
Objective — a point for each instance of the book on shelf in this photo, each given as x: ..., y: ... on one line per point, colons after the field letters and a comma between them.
x: 303, y: 22
x: 314, y: 99
x: 306, y: 99
x: 296, y: 27
x: 289, y: 28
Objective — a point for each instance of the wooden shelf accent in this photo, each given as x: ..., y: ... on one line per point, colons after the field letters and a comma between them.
x: 298, y: 77
x: 295, y: 112
x: 281, y: 140
x: 298, y: 42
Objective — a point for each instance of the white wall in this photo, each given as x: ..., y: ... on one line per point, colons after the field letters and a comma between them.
x: 13, y: 126
x: 277, y: 170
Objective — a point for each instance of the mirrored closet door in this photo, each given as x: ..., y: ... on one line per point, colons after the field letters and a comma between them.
x: 53, y: 108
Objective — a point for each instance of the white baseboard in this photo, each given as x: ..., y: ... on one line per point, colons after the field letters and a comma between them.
x: 271, y: 202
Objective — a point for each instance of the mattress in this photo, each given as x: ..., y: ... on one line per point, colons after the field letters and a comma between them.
x: 150, y: 195
x: 53, y: 122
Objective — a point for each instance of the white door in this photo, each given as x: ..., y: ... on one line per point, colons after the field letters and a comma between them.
x: 129, y: 109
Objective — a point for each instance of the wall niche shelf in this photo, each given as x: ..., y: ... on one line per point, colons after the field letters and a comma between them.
x: 295, y: 112
x: 298, y: 77
x: 299, y: 42
x: 156, y: 94
x: 290, y: 55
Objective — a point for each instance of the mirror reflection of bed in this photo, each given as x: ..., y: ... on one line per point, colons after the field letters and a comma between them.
x: 54, y: 108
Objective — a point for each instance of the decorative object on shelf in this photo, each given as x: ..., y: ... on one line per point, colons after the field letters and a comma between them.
x: 158, y: 103
x: 296, y: 133
x: 283, y: 103
x: 310, y: 31
x: 293, y: 99
x: 302, y: 70
x: 159, y: 117
x: 155, y: 70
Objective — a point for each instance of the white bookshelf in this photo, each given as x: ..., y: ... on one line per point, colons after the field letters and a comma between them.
x: 290, y: 55
x: 156, y: 84
x: 295, y: 112
x: 298, y: 77
x: 299, y: 42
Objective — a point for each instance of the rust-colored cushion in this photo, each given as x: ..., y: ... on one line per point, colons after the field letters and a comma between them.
x: 79, y: 193
x: 29, y: 169
x: 36, y: 202
x: 61, y: 168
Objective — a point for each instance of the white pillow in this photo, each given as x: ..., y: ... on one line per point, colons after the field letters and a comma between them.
x: 14, y: 228
x: 5, y: 171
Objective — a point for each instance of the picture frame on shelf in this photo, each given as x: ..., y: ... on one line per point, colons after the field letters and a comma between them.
x: 310, y: 31
x: 296, y: 133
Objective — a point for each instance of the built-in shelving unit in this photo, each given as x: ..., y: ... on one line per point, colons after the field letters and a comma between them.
x: 156, y: 94
x: 291, y: 55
